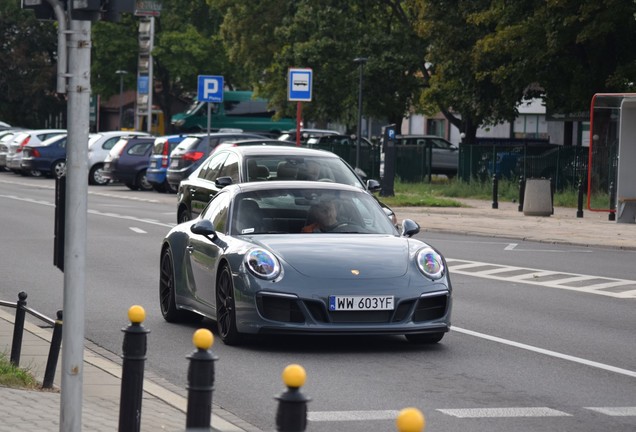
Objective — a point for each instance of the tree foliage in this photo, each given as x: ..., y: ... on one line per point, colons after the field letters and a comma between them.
x: 473, y: 60
x: 28, y: 72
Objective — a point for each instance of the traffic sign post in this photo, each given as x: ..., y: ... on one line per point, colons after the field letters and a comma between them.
x: 210, y: 90
x: 299, y: 89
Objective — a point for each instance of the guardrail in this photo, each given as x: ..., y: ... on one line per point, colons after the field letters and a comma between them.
x: 18, y: 330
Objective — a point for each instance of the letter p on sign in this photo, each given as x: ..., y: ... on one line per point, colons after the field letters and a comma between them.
x: 210, y: 88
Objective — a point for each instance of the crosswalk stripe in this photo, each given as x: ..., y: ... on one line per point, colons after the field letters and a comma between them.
x: 606, y: 286
x: 615, y: 411
x: 504, y: 412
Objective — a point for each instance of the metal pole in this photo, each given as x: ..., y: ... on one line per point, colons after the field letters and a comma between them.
x: 121, y: 74
x: 79, y: 91
x: 361, y: 61
x: 151, y: 86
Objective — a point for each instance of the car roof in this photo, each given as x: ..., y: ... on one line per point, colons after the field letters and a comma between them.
x: 250, y: 150
x: 291, y: 184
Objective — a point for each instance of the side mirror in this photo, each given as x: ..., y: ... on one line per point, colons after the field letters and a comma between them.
x: 453, y: 147
x: 203, y: 227
x: 409, y: 228
x: 373, y: 185
x: 223, y: 181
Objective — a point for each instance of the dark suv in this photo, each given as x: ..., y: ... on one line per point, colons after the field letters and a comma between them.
x: 128, y: 160
x: 192, y: 151
x: 445, y: 158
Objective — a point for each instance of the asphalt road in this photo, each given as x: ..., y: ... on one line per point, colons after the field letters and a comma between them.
x: 522, y: 356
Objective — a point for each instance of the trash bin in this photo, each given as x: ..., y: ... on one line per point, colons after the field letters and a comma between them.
x: 537, y: 198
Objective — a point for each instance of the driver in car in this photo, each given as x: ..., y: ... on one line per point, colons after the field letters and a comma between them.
x: 322, y: 217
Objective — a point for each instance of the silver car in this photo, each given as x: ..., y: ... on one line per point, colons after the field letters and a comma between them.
x: 14, y: 155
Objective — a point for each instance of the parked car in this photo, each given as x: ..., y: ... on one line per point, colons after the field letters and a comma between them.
x: 246, y: 142
x: 21, y: 139
x: 128, y: 160
x: 99, y: 145
x: 193, y: 150
x: 160, y: 161
x: 445, y: 155
x: 242, y: 164
x: 305, y: 134
x: 240, y: 264
x: 6, y: 137
x: 47, y: 157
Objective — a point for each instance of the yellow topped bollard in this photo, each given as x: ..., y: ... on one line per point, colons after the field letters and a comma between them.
x: 410, y: 420
x: 203, y: 339
x: 136, y: 314
x: 200, y: 381
x: 132, y: 375
x: 291, y: 415
x: 294, y: 376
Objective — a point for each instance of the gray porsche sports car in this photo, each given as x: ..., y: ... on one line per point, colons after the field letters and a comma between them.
x: 306, y: 258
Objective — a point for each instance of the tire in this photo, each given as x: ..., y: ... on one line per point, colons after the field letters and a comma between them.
x: 142, y: 182
x: 226, y: 308
x: 132, y: 186
x: 167, y: 302
x: 168, y: 188
x: 58, y: 169
x: 184, y: 216
x: 424, y: 338
x: 95, y: 176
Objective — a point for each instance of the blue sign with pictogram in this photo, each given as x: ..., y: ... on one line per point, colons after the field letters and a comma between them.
x: 143, y: 84
x: 299, y: 86
x: 210, y: 88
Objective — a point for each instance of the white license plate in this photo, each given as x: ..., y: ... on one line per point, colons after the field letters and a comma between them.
x: 174, y: 163
x: 361, y: 303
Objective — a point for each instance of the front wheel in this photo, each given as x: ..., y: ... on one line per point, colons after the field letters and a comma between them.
x: 96, y: 176
x: 424, y: 338
x: 226, y: 308
x: 184, y: 216
x: 58, y: 169
x: 142, y: 182
x: 167, y: 301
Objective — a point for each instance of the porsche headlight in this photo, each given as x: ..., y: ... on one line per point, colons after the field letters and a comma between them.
x: 262, y: 264
x: 430, y: 263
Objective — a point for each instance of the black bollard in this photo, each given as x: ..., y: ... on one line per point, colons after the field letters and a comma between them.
x: 18, y: 328
x: 579, y: 210
x: 522, y: 191
x: 291, y: 415
x: 612, y: 199
x: 54, y: 352
x: 495, y: 191
x: 132, y: 376
x: 200, y: 382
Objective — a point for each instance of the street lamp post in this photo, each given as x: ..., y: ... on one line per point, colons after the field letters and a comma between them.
x: 121, y: 74
x: 360, y: 61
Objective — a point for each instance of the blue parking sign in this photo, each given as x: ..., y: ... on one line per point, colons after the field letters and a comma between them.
x: 210, y: 88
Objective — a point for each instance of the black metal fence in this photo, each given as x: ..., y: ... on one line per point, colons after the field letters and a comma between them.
x: 509, y: 159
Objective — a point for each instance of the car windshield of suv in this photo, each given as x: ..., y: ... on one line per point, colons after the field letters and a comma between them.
x: 316, y: 168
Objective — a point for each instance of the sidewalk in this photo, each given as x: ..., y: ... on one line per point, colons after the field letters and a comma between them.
x: 164, y: 406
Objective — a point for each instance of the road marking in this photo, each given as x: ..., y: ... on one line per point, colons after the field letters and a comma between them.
x: 318, y: 416
x: 138, y: 230
x: 611, y: 287
x: 504, y: 412
x: 547, y: 352
x: 615, y: 411
x: 510, y: 246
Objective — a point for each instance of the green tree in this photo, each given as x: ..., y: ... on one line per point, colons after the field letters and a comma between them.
x: 28, y: 72
x: 566, y: 49
x: 267, y: 38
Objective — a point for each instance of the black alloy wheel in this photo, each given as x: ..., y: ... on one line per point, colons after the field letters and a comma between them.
x: 167, y: 290
x: 226, y: 308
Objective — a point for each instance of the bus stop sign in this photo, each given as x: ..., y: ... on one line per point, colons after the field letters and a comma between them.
x: 299, y: 85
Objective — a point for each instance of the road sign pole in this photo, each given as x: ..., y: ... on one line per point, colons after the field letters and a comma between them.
x: 299, y: 119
